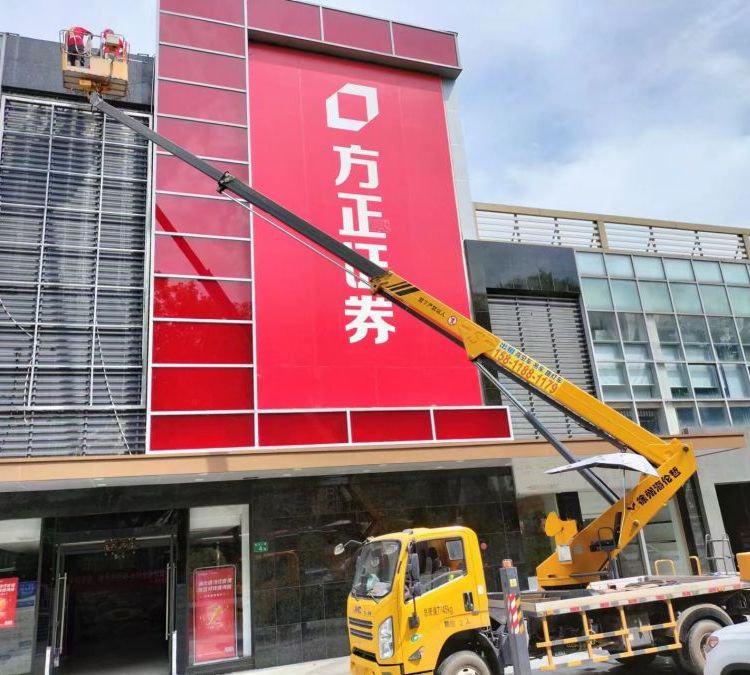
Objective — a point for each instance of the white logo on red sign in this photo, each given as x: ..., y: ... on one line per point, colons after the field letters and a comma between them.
x: 360, y: 215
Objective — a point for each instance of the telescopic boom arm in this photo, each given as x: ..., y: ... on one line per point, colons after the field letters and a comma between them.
x: 585, y: 556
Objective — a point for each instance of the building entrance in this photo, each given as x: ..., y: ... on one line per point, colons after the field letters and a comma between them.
x: 114, y: 604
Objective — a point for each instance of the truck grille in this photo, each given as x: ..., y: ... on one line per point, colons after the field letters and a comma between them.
x: 360, y: 628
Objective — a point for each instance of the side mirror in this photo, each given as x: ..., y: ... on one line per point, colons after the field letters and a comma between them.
x: 340, y: 548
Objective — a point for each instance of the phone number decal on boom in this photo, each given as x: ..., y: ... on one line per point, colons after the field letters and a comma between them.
x: 525, y: 367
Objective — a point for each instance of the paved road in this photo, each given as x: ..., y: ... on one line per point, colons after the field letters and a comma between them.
x: 662, y: 666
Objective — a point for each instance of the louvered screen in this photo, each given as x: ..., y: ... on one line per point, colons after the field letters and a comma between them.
x: 73, y: 214
x: 550, y: 330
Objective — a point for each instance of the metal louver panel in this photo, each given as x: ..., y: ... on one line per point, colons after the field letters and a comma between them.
x: 523, y: 229
x: 73, y: 215
x: 550, y: 330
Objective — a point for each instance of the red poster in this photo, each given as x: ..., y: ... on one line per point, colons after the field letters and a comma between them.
x: 362, y: 151
x: 8, y: 600
x: 214, y: 614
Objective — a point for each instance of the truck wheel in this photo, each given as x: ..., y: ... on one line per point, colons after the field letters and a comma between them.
x: 463, y: 663
x: 637, y: 661
x: 692, y: 658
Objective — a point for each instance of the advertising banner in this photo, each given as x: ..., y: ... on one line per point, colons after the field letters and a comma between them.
x: 8, y: 602
x: 214, y: 614
x: 362, y: 151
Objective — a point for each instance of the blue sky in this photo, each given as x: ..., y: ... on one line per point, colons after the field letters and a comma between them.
x: 633, y: 107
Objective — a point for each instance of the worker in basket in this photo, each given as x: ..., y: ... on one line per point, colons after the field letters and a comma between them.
x: 113, y: 46
x: 78, y: 44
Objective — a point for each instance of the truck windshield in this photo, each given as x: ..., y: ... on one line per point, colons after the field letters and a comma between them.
x: 376, y: 567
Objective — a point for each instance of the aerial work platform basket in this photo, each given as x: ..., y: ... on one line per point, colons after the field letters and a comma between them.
x: 94, y: 63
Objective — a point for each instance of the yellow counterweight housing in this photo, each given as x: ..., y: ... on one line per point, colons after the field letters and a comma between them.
x: 674, y: 459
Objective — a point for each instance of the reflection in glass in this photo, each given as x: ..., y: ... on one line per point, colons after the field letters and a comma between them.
x: 725, y: 339
x: 714, y: 299
x: 633, y: 328
x: 596, y: 293
x: 736, y: 379
x: 669, y: 337
x: 678, y: 270
x: 740, y: 415
x: 695, y: 338
x: 619, y: 265
x: 705, y: 381
x: 591, y: 263
x: 625, y: 295
x: 735, y: 273
x: 613, y: 381
x: 655, y: 296
x: 686, y: 298
x: 648, y: 268
x: 677, y: 380
x: 608, y: 351
x: 713, y: 416
x: 687, y: 418
x: 744, y: 327
x: 642, y: 380
x: 706, y: 270
x: 740, y: 298
x: 603, y: 326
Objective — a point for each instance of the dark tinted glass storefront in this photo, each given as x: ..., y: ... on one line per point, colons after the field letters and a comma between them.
x: 300, y: 588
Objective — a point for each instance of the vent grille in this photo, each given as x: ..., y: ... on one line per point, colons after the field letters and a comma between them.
x: 73, y: 214
x: 551, y: 331
x: 547, y: 231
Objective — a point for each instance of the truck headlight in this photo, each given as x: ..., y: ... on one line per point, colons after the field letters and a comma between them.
x: 385, y: 638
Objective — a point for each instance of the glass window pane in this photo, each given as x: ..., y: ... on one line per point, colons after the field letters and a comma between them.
x: 611, y: 373
x: 603, y: 326
x: 744, y: 327
x: 686, y: 298
x: 625, y: 295
x: 591, y: 263
x: 740, y: 415
x: 713, y: 416
x: 633, y: 328
x: 740, y: 298
x: 651, y: 419
x: 619, y: 265
x: 706, y: 270
x: 637, y: 351
x: 648, y: 268
x: 596, y: 293
x: 735, y: 273
x: 686, y: 418
x: 725, y: 339
x: 714, y: 299
x: 655, y: 296
x: 677, y: 380
x: 666, y: 328
x: 608, y: 351
x: 678, y: 270
x: 736, y: 379
x: 705, y: 381
x: 642, y: 380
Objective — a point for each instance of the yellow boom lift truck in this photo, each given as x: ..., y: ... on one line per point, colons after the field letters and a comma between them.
x: 419, y: 600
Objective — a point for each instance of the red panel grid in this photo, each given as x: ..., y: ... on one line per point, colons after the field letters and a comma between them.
x: 285, y: 16
x: 187, y: 432
x: 202, y: 299
x: 201, y: 102
x: 425, y: 45
x: 232, y: 11
x: 208, y: 140
x: 186, y: 64
x: 313, y: 428
x: 452, y: 424
x: 186, y: 342
x: 175, y: 213
x: 174, y: 175
x: 355, y: 30
x: 214, y: 37
x: 380, y: 426
x: 202, y: 257
x: 201, y: 388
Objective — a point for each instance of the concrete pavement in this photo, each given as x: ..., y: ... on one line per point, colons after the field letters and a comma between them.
x: 662, y: 666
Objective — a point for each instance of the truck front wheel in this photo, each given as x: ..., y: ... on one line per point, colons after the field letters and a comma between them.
x: 463, y: 663
x: 693, y: 656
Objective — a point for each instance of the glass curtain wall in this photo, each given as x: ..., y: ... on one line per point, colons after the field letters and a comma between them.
x: 671, y: 338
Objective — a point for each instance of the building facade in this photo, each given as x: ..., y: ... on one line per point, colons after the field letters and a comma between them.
x: 195, y: 409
